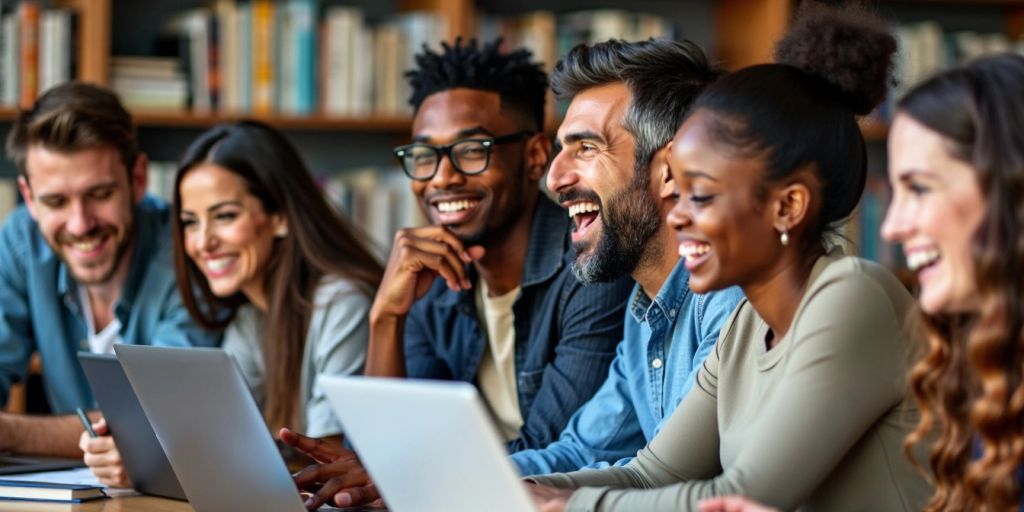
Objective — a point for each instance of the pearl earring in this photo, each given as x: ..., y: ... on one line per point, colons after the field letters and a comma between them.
x: 784, y: 237
x: 281, y: 232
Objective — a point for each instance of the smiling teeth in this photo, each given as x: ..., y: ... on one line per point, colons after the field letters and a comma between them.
x: 689, y: 251
x: 580, y: 208
x: 923, y: 258
x: 456, y: 206
x: 86, y: 246
x: 219, y: 263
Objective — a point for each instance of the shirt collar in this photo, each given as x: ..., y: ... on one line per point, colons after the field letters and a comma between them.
x: 669, y: 298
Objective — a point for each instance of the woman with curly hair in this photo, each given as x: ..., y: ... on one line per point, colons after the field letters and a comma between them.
x: 957, y: 171
x: 803, y: 403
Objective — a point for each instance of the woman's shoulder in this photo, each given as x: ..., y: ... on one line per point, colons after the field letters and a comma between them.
x: 334, y: 288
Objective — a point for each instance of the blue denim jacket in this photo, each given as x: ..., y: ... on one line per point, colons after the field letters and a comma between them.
x: 565, y: 332
x: 664, y: 343
x: 39, y: 308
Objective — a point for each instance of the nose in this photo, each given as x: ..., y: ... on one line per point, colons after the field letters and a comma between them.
x: 447, y: 176
x: 679, y: 216
x: 896, y: 226
x: 561, y: 173
x: 82, y: 220
x: 204, y: 238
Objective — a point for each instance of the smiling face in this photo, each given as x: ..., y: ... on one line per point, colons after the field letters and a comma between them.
x: 228, y: 234
x: 481, y: 207
x: 82, y: 202
x: 724, y: 226
x: 937, y: 207
x: 613, y: 207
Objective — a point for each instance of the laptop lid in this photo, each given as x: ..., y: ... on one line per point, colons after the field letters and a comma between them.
x: 143, y: 458
x: 429, y: 446
x: 210, y: 428
x: 16, y: 464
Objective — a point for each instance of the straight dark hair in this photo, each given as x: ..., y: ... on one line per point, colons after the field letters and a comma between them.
x: 320, y: 242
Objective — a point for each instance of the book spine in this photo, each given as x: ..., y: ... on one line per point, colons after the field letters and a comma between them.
x: 28, y: 16
x: 263, y: 57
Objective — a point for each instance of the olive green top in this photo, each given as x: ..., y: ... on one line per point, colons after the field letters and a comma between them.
x: 815, y: 423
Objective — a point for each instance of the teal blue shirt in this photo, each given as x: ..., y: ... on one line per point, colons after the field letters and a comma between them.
x: 39, y: 308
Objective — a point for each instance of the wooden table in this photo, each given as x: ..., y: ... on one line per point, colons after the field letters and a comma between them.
x: 126, y: 504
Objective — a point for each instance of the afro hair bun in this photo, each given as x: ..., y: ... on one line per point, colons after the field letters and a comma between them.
x: 849, y: 48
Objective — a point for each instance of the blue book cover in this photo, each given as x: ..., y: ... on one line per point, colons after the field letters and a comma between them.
x: 22, y: 490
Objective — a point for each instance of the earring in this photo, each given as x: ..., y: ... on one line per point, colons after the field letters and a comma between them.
x: 281, y: 232
x: 784, y: 237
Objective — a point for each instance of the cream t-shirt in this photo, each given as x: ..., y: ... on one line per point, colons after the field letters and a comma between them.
x: 496, y: 376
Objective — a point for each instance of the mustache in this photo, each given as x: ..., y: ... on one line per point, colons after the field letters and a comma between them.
x: 578, y: 194
x: 97, y: 232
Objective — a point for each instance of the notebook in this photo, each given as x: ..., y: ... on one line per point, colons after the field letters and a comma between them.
x: 44, y: 491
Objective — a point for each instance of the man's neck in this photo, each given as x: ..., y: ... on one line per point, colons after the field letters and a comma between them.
x: 658, y: 261
x: 502, y: 264
x: 103, y: 296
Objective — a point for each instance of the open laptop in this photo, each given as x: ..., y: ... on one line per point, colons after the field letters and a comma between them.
x: 210, y: 428
x: 429, y: 446
x: 143, y: 458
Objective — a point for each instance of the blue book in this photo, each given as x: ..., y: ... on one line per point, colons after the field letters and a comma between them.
x: 44, y: 491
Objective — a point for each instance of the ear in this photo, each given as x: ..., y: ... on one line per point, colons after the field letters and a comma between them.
x: 791, y: 205
x: 140, y: 177
x: 661, y: 176
x: 538, y: 154
x: 280, y: 226
x: 26, y: 194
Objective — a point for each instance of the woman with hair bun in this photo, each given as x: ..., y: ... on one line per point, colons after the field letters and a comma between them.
x: 802, y: 405
x: 956, y: 164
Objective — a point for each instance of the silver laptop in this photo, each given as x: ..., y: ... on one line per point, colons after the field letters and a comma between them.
x: 429, y: 446
x: 143, y: 458
x: 210, y: 428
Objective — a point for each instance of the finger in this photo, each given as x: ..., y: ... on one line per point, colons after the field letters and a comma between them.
x: 438, y: 234
x: 344, y: 473
x: 415, y: 256
x: 454, y: 256
x: 476, y: 252
x: 319, y: 450
x: 100, y: 427
x: 355, y: 496
x: 93, y: 446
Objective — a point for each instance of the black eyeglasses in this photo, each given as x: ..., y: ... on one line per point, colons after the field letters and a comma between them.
x: 468, y: 156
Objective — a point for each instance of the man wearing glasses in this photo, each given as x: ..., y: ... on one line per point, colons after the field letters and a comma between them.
x: 486, y: 294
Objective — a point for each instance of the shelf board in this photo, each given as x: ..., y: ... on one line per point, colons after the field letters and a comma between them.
x: 315, y: 123
x: 284, y: 122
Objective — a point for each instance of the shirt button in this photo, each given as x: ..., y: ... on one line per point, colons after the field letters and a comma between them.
x: 656, y: 363
x: 672, y: 313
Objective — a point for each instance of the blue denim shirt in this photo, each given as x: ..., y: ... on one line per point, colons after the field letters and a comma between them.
x: 665, y: 340
x: 39, y: 308
x: 565, y: 332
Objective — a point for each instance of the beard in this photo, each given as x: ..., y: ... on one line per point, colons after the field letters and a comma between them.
x: 629, y: 219
x: 109, y: 266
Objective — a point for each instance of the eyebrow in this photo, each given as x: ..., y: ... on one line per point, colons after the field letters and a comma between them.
x: 215, y: 207
x: 913, y: 173
x: 699, y: 174
x: 461, y: 134
x: 583, y: 135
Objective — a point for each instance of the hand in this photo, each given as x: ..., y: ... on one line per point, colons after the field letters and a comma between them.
x: 102, y: 457
x: 549, y: 499
x: 345, y: 481
x: 732, y: 504
x: 417, y: 257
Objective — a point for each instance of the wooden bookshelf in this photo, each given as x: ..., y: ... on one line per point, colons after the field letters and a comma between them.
x: 316, y: 122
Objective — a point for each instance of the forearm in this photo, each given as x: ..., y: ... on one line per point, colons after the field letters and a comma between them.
x: 386, y: 354
x: 41, y: 435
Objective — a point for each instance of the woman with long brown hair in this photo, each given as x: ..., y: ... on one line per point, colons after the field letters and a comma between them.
x: 957, y: 170
x: 259, y: 252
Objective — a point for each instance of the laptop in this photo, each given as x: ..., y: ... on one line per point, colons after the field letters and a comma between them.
x: 17, y: 464
x: 429, y: 446
x: 143, y: 458
x: 210, y: 428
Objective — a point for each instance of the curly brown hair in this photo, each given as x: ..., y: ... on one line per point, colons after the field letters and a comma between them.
x: 968, y: 381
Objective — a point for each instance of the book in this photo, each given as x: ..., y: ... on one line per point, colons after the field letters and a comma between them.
x: 45, y: 491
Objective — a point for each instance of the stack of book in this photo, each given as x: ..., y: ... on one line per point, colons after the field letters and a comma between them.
x: 21, y: 490
x: 37, y: 51
x: 266, y: 57
x: 149, y: 83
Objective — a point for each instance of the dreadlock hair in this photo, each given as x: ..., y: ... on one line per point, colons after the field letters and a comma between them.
x: 520, y: 82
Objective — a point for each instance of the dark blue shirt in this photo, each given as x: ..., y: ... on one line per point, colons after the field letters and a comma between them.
x: 565, y: 332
